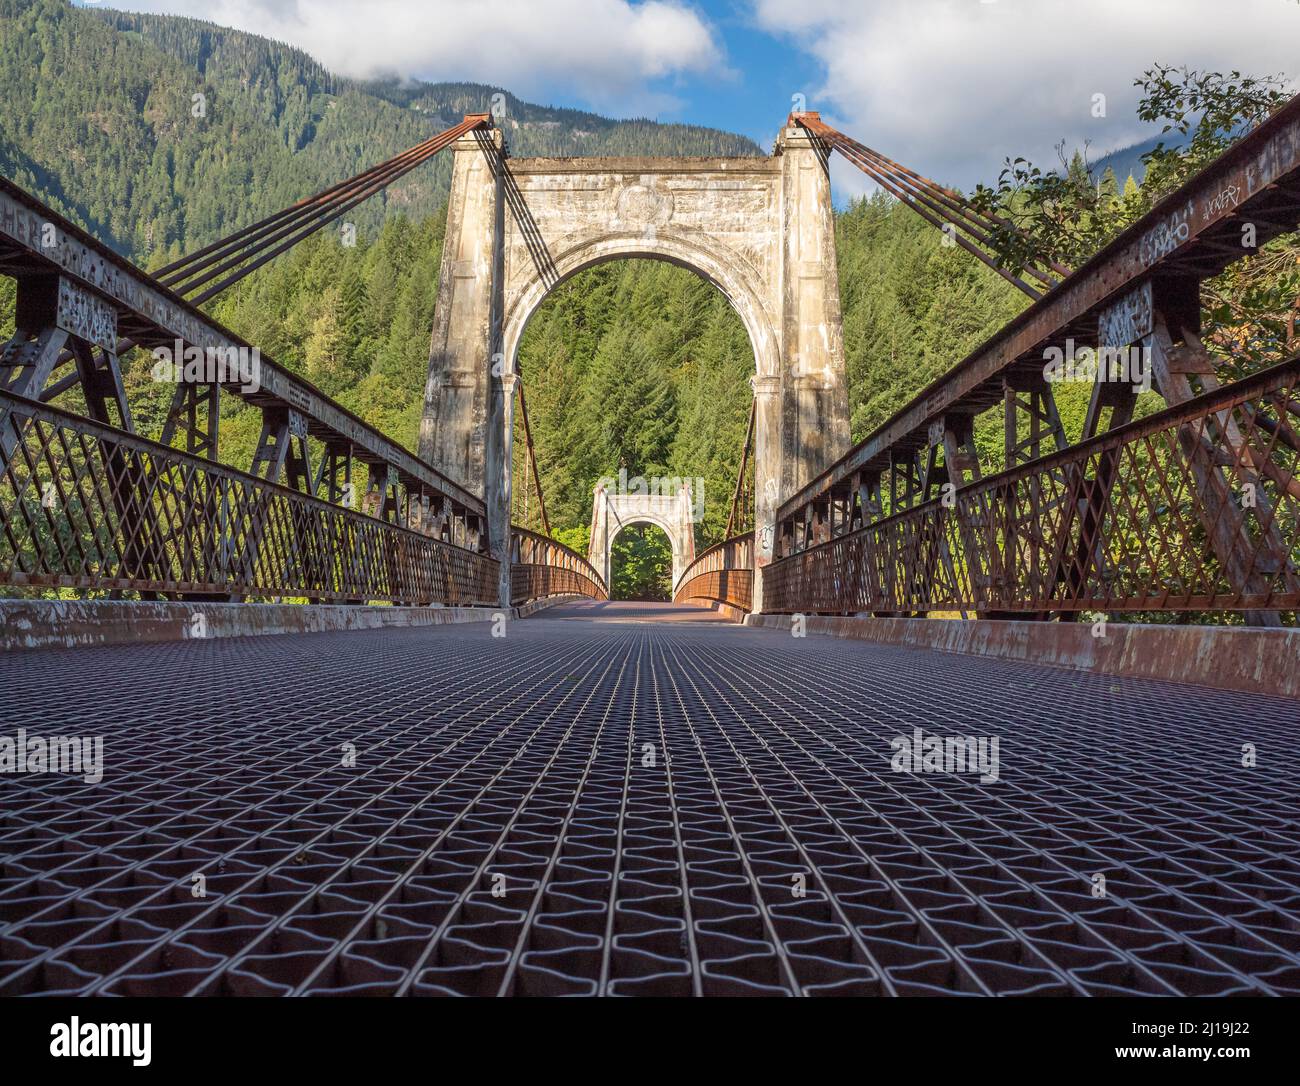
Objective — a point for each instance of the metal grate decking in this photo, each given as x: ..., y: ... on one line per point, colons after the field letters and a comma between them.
x: 503, y: 830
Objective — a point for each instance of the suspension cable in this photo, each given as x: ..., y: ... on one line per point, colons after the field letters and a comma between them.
x: 939, y: 206
x: 532, y: 459
x: 256, y: 244
x: 249, y: 246
x: 733, y: 517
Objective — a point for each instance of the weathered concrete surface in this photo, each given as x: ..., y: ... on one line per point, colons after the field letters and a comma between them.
x: 533, y: 606
x: 468, y: 420
x: 760, y: 229
x: 611, y: 513
x: 456, y: 393
x: 1259, y: 660
x: 32, y: 624
x: 726, y: 610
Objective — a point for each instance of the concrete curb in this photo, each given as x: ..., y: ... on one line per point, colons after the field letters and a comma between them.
x: 727, y: 610
x: 1260, y: 661
x: 533, y: 606
x: 40, y: 624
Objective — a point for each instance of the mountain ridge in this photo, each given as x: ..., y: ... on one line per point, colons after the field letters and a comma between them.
x: 101, y: 121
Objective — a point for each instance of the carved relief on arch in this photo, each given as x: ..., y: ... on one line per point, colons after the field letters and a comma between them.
x: 640, y: 205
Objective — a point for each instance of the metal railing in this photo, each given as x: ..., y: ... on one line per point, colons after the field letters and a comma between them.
x: 134, y: 305
x: 722, y: 574
x: 1190, y: 235
x: 86, y: 506
x: 1196, y: 507
x: 542, y: 567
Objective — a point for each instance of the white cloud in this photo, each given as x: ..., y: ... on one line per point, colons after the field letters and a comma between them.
x: 613, y: 54
x: 953, y: 87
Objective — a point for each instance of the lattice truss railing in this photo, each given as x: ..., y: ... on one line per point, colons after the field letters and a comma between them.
x: 84, y: 505
x: 1196, y: 507
x: 541, y: 567
x: 81, y: 307
x: 722, y: 574
x: 925, y: 528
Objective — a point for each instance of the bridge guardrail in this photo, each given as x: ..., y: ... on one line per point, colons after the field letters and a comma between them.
x: 541, y: 566
x: 724, y: 573
x: 1192, y: 234
x: 86, y: 506
x: 153, y: 315
x: 1196, y: 507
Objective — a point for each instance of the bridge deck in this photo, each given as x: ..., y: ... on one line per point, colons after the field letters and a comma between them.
x: 502, y: 830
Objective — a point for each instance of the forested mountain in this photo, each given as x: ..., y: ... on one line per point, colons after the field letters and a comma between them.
x: 1126, y: 162
x: 101, y: 117
x: 634, y: 364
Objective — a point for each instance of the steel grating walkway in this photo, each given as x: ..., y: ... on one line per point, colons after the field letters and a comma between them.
x: 601, y: 803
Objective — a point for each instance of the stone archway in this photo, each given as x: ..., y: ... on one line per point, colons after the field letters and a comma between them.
x: 760, y: 229
x: 612, y: 511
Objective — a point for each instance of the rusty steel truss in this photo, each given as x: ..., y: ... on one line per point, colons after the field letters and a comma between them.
x: 1191, y: 235
x: 722, y: 574
x: 75, y: 292
x: 84, y: 505
x: 1196, y: 507
x: 1054, y: 532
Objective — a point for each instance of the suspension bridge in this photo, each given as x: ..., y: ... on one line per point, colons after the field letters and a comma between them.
x: 462, y: 769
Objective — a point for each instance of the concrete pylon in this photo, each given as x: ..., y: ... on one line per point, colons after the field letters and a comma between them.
x: 801, y: 424
x: 467, y: 429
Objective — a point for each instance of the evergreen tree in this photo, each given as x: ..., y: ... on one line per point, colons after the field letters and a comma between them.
x: 328, y: 365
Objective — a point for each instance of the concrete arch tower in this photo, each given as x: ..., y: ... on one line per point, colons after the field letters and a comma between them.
x: 612, y: 511
x: 760, y: 229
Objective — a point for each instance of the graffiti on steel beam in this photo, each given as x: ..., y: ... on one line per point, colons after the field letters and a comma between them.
x: 86, y: 316
x: 1166, y: 236
x: 1127, y: 320
x: 1224, y: 200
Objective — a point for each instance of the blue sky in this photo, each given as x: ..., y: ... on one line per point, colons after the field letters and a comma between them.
x: 949, y: 87
x: 767, y: 69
